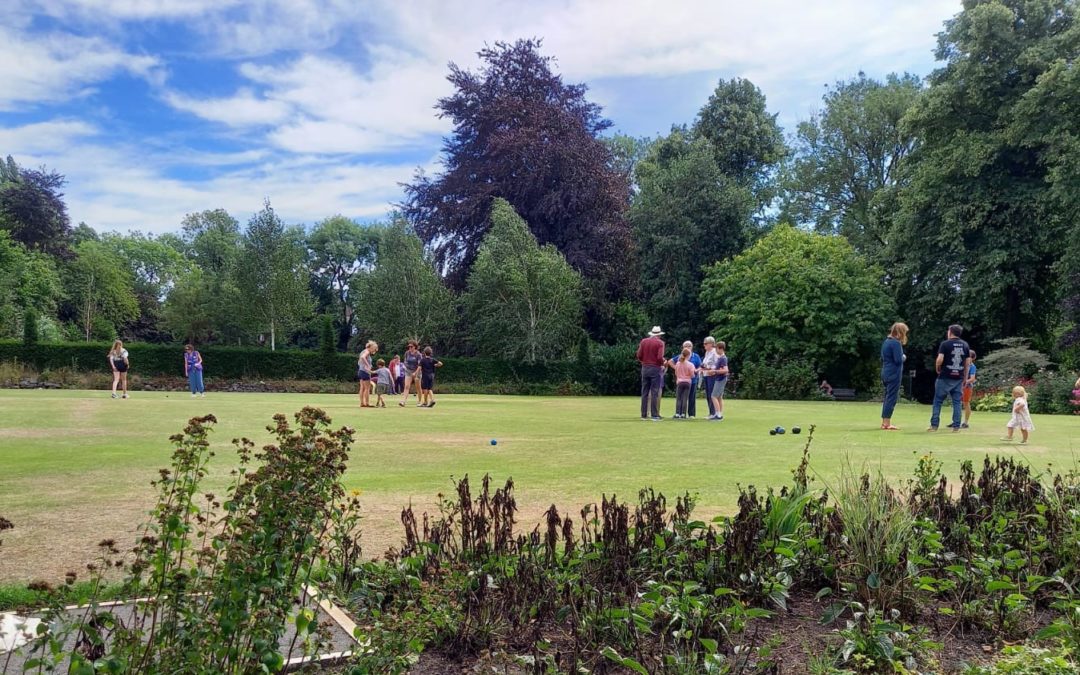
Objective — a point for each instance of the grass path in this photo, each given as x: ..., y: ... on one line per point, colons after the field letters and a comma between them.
x: 75, y: 466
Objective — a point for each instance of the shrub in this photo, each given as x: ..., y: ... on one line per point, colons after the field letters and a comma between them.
x: 1011, y: 361
x: 615, y: 370
x: 327, y: 347
x: 30, y: 327
x: 789, y: 380
x: 1052, y: 394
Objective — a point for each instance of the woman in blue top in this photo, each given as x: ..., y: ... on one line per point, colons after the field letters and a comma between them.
x: 193, y: 369
x: 892, y: 371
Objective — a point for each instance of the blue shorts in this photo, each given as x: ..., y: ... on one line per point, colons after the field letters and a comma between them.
x: 363, y: 376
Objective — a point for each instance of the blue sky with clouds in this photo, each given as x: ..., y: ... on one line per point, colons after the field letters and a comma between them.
x: 158, y: 108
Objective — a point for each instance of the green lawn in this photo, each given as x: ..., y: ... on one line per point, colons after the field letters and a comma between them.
x: 75, y: 466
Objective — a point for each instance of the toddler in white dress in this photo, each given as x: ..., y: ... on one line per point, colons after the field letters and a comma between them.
x: 1021, y: 416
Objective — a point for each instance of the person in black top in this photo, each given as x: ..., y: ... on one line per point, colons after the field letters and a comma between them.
x: 427, y: 379
x: 953, y: 360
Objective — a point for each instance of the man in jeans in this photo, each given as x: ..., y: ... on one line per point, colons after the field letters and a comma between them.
x: 953, y: 360
x: 650, y: 354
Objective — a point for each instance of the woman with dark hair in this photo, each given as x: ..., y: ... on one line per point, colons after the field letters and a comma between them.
x: 892, y: 371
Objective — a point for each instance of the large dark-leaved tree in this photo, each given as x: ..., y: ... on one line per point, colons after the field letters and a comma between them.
x: 522, y: 134
x: 32, y: 207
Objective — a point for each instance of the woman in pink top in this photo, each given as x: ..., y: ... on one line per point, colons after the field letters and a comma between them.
x: 684, y: 376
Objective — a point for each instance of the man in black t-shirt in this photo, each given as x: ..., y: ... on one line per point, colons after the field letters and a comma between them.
x: 953, y: 360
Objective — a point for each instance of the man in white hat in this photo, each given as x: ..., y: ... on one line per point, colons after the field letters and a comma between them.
x: 650, y: 354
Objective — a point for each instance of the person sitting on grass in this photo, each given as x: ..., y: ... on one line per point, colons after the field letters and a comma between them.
x: 825, y: 387
x: 384, y: 383
x: 427, y: 379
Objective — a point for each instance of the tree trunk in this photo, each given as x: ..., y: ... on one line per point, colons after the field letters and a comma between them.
x: 272, y: 335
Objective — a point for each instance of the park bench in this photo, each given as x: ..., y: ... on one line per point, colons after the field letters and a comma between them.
x: 841, y: 394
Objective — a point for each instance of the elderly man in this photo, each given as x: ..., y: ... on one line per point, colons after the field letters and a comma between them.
x: 650, y: 354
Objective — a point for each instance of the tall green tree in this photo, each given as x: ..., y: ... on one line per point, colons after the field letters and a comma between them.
x: 211, y: 240
x: 100, y: 290
x: 155, y: 266
x: 687, y: 214
x: 29, y: 280
x: 796, y: 295
x: 271, y: 274
x: 699, y: 193
x: 847, y: 160
x: 403, y: 298
x: 523, y: 300
x: 977, y: 235
x: 340, y: 248
x: 746, y: 140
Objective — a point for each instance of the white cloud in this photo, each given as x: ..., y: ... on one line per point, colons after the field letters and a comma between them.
x: 243, y: 109
x: 48, y: 137
x: 58, y: 66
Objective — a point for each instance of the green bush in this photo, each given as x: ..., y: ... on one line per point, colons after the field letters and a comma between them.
x: 1052, y: 395
x: 790, y: 380
x: 30, y: 327
x: 614, y: 370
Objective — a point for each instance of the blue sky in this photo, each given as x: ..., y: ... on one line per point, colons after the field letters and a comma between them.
x: 158, y: 108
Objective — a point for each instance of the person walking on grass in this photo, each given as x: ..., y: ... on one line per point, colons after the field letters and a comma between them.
x: 384, y: 383
x: 691, y: 408
x: 685, y: 372
x: 969, y: 390
x: 953, y: 359
x: 395, y: 372
x: 412, y: 371
x: 650, y: 354
x: 118, y: 361
x: 1021, y: 416
x: 428, y: 364
x: 364, y: 370
x: 892, y: 371
x: 193, y: 369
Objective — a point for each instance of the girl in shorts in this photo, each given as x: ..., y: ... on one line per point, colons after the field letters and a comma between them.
x: 118, y: 361
x: 363, y: 372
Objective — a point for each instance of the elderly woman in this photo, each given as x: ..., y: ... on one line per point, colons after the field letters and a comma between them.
x: 892, y: 371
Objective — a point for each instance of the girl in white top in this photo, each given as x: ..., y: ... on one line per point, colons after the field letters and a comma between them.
x: 118, y: 361
x: 1021, y: 416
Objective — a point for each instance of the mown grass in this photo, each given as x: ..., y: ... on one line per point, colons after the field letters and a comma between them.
x: 75, y: 465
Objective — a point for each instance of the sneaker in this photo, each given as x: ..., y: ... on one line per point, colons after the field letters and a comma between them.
x: 931, y: 429
x: 124, y: 396
x: 193, y: 396
x: 401, y: 404
x: 719, y: 418
x: 964, y: 426
x: 657, y: 418
x: 432, y: 404
x: 643, y: 419
x: 956, y: 430
x: 114, y: 395
x: 1006, y: 439
x: 203, y: 395
x: 692, y: 417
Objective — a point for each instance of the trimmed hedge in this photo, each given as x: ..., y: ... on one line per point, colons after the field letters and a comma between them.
x: 252, y: 362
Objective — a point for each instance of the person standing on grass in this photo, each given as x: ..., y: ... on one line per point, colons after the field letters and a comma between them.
x: 892, y: 371
x: 427, y: 378
x: 363, y: 372
x: 193, y: 369
x: 691, y: 409
x: 1021, y: 416
x: 412, y: 371
x: 395, y: 371
x: 720, y: 371
x: 384, y: 383
x: 708, y: 362
x: 685, y: 372
x: 650, y: 354
x: 118, y: 361
x: 953, y: 359
x: 969, y: 390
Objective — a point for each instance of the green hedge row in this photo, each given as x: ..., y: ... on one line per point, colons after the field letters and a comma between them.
x: 247, y: 362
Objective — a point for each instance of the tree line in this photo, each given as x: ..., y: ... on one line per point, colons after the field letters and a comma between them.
x: 949, y: 198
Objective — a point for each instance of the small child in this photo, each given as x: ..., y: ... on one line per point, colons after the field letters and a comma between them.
x: 427, y: 379
x: 684, y: 377
x: 384, y: 383
x: 1021, y: 417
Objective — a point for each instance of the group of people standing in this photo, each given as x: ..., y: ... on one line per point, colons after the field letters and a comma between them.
x: 956, y: 376
x: 120, y: 363
x: 692, y: 370
x: 398, y: 377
